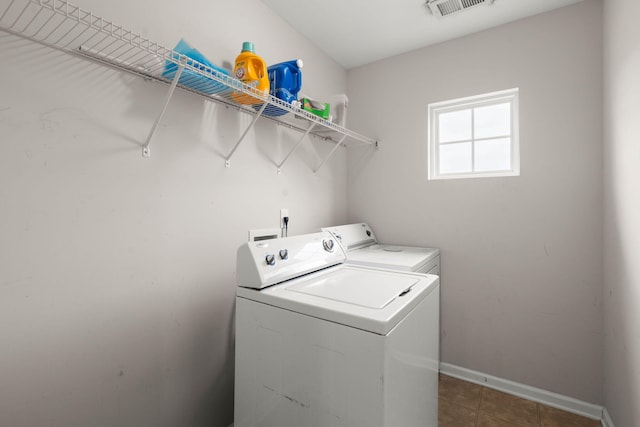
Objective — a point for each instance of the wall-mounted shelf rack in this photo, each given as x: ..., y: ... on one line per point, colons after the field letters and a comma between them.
x: 66, y: 27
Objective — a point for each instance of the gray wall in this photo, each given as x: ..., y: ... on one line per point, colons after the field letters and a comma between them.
x: 522, y: 256
x: 117, y: 272
x: 622, y: 211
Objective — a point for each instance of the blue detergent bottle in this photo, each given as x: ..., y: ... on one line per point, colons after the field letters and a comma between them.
x: 285, y: 81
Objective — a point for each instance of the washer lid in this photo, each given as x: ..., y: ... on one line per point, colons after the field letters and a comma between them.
x: 370, y: 299
x: 364, y: 288
x: 406, y: 258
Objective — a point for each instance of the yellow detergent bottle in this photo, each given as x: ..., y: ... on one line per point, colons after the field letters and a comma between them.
x: 252, y: 70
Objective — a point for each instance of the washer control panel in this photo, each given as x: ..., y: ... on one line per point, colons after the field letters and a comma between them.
x: 267, y: 262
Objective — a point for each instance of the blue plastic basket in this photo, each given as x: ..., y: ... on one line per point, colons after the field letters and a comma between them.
x: 192, y: 79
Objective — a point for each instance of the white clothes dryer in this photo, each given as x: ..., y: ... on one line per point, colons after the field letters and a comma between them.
x: 321, y: 343
x: 363, y: 248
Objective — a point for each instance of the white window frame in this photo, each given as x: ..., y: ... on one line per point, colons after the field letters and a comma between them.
x: 500, y: 97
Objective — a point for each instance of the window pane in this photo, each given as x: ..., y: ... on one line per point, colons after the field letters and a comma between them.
x: 492, y: 120
x: 454, y: 126
x: 455, y: 158
x: 493, y: 155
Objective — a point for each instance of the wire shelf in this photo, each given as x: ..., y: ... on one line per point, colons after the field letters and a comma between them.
x: 61, y: 25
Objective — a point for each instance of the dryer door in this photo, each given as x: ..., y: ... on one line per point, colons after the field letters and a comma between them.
x: 393, y: 257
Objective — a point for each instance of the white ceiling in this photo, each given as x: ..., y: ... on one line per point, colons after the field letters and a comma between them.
x: 357, y: 32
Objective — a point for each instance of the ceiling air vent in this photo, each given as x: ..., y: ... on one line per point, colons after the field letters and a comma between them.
x: 449, y: 7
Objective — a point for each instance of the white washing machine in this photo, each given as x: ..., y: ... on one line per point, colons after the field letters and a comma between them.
x: 363, y: 248
x: 322, y: 343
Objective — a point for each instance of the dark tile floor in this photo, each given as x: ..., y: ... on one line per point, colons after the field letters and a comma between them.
x: 464, y: 404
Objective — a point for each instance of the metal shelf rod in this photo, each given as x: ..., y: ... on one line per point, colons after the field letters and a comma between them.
x: 330, y: 153
x: 146, y: 151
x: 227, y: 162
x: 295, y: 147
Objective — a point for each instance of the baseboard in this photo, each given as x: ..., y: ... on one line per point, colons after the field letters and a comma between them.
x: 606, y: 418
x: 556, y: 400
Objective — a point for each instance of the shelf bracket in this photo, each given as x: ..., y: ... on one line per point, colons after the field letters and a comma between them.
x: 146, y: 151
x: 295, y: 147
x: 338, y: 144
x: 227, y: 161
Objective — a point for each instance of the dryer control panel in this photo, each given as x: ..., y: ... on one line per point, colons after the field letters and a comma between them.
x: 265, y: 263
x: 353, y: 236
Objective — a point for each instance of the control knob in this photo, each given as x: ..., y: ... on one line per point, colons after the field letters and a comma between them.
x: 270, y: 259
x: 328, y: 245
x: 284, y: 254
